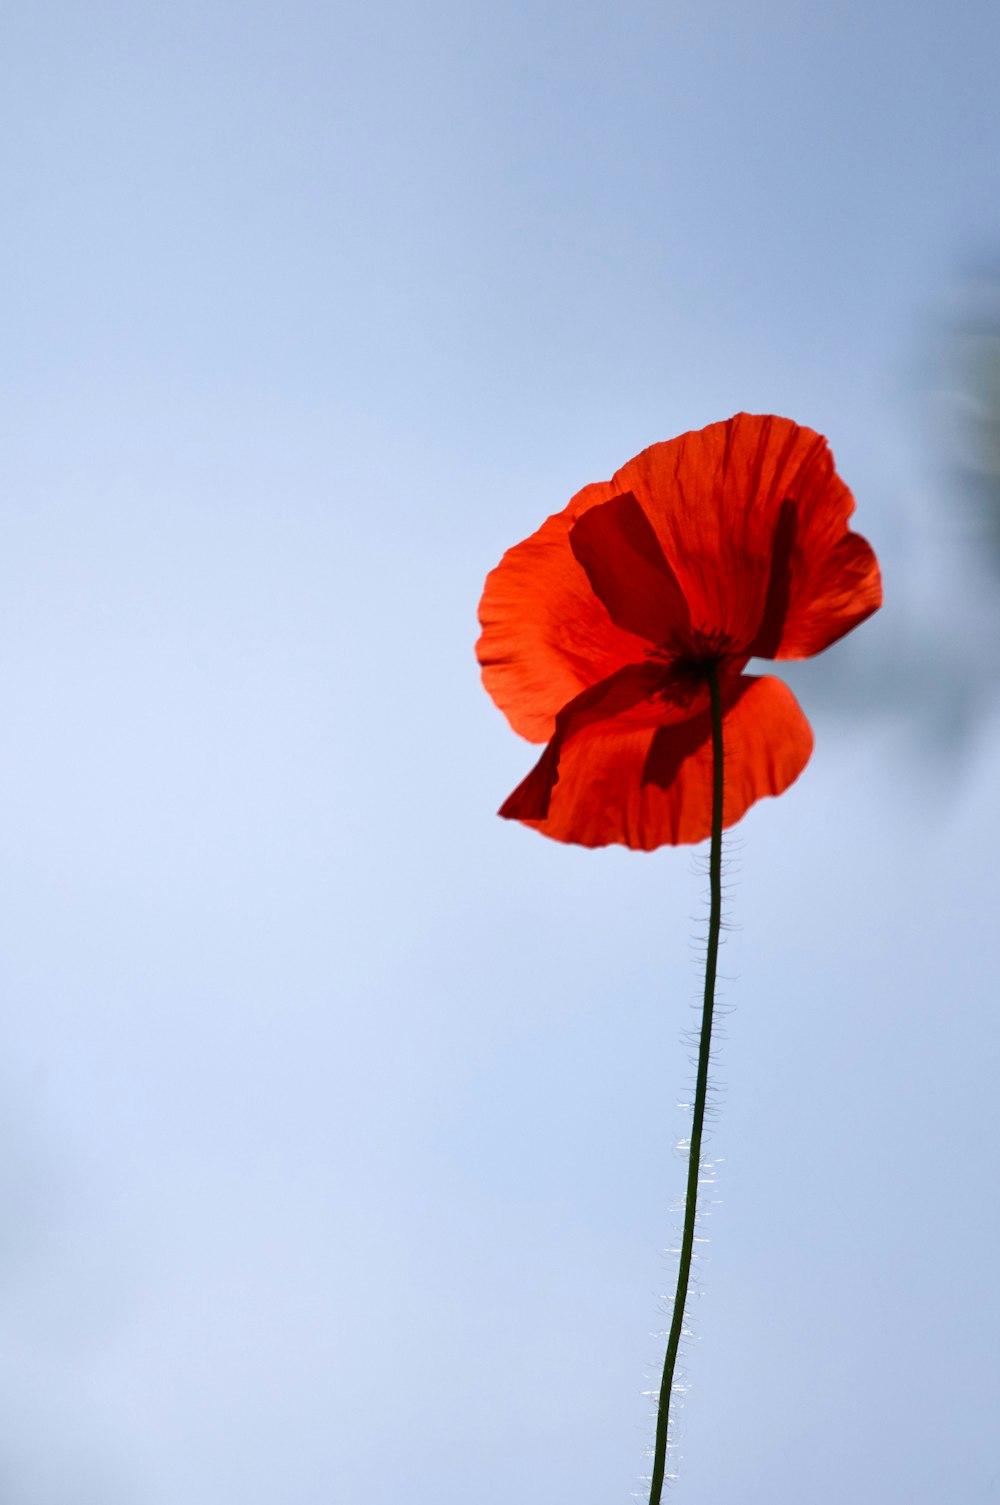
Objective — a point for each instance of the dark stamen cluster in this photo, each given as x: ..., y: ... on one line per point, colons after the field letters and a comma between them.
x: 687, y: 658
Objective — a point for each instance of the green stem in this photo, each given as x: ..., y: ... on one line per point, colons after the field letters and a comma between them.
x: 701, y: 1091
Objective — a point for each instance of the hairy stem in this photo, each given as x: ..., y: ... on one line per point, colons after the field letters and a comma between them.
x: 701, y: 1090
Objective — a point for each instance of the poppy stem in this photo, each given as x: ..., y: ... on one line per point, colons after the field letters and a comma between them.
x: 701, y: 1092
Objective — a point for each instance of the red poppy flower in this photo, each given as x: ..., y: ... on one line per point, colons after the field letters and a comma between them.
x: 723, y: 545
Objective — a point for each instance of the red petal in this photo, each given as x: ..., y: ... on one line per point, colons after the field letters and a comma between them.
x: 836, y: 588
x: 752, y: 519
x: 643, y: 777
x: 546, y: 636
x: 617, y: 547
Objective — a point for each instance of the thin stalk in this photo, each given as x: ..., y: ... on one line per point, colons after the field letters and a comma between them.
x: 701, y: 1091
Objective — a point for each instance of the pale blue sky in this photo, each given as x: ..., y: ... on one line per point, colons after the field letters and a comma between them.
x: 337, y: 1115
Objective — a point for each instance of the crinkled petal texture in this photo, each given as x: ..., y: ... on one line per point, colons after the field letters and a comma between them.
x: 749, y: 520
x: 643, y: 777
x: 727, y: 543
x: 546, y: 635
x: 752, y: 519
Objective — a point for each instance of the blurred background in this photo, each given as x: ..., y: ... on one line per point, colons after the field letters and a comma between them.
x: 338, y: 1119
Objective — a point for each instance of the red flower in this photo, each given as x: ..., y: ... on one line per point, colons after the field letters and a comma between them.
x: 723, y: 545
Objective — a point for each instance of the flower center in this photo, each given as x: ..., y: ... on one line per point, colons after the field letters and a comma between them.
x: 686, y: 658
x: 692, y: 650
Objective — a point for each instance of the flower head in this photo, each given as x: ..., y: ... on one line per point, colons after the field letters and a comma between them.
x: 600, y: 630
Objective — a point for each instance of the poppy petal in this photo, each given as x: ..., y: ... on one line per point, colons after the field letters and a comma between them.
x: 643, y: 778
x: 616, y: 545
x: 634, y: 698
x: 835, y: 588
x: 546, y: 636
x: 752, y: 519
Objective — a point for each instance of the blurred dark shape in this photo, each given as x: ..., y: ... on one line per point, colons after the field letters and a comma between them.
x: 927, y: 666
x: 977, y: 401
